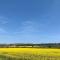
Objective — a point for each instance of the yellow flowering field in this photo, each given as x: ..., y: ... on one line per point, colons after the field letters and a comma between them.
x: 29, y: 53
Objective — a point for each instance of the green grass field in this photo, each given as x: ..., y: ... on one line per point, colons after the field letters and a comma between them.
x: 29, y: 54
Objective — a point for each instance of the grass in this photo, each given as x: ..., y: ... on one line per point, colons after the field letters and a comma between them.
x: 29, y: 54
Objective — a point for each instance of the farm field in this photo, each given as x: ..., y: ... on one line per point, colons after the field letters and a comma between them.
x: 29, y: 54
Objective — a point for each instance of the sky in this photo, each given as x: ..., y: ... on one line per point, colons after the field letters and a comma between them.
x: 29, y: 21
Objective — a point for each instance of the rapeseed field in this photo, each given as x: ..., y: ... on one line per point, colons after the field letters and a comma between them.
x: 29, y: 54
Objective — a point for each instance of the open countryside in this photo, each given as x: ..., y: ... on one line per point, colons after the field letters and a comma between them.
x: 29, y: 29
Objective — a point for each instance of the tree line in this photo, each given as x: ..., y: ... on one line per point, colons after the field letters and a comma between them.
x: 30, y: 45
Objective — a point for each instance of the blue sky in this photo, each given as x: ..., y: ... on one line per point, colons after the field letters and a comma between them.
x: 29, y: 21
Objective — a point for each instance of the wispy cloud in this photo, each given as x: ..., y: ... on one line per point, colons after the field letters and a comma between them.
x: 3, y: 20
x: 28, y: 27
x: 2, y: 30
